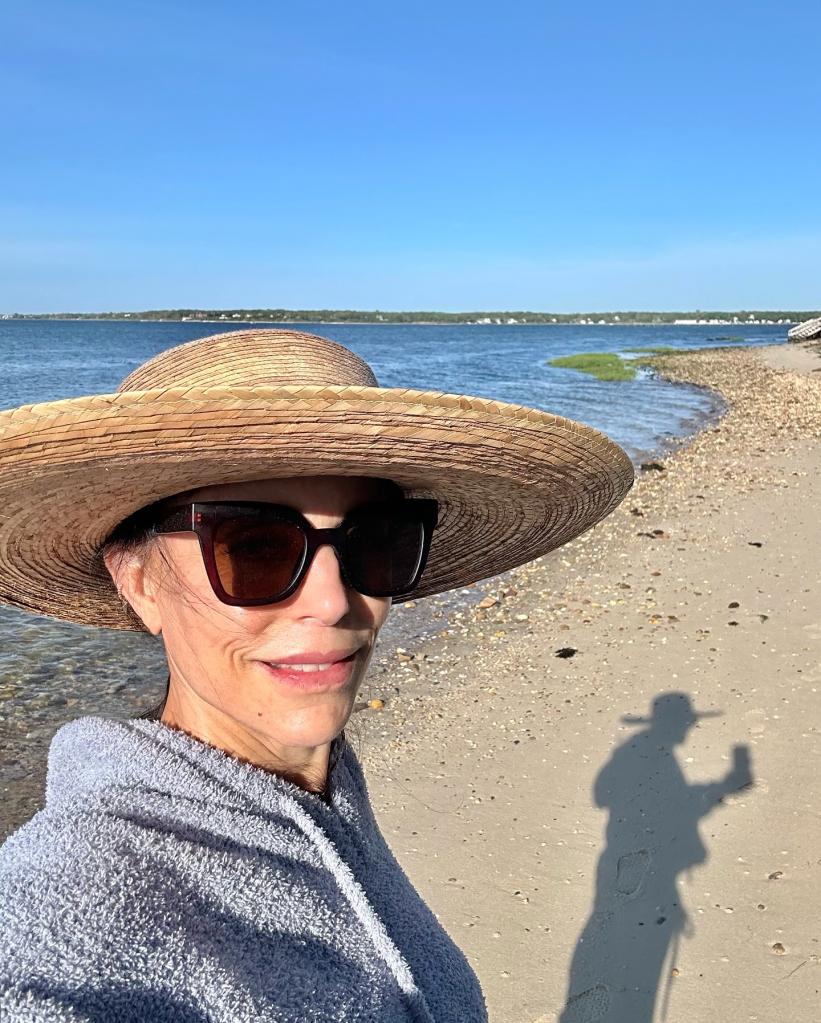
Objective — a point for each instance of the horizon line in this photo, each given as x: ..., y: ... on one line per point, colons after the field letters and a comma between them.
x: 236, y: 311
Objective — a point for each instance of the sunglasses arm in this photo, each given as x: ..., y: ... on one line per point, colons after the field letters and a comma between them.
x: 178, y: 520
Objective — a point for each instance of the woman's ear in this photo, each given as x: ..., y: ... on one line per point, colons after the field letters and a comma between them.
x: 136, y: 584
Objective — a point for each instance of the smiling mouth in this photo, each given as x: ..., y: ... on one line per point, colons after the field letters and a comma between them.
x: 313, y: 675
x: 309, y: 667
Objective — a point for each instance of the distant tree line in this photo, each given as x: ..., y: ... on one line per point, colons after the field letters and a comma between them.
x: 381, y: 316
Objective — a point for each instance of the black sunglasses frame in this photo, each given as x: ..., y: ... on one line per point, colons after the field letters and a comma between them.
x: 203, y: 517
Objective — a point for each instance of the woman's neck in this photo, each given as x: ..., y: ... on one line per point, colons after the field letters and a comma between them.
x: 305, y: 766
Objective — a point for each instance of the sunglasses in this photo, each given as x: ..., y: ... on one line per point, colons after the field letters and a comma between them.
x: 258, y: 553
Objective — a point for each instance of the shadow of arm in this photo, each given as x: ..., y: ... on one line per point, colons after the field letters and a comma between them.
x: 737, y: 778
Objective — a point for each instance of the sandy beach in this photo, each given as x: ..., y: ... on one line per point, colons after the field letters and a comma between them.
x: 606, y: 783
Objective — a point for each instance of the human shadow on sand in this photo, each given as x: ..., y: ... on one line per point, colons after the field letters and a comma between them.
x: 618, y: 970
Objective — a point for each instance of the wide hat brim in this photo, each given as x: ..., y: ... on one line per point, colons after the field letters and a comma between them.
x: 513, y: 483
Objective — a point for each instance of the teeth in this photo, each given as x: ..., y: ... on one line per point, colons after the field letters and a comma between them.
x: 303, y: 667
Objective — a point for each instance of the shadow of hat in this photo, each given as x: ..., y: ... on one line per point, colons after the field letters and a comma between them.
x: 669, y: 708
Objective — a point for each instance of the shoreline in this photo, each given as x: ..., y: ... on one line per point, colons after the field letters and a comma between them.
x: 460, y: 602
x: 674, y: 370
x: 483, y: 764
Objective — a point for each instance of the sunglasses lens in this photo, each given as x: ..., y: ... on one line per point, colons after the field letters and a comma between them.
x: 257, y: 559
x: 384, y: 554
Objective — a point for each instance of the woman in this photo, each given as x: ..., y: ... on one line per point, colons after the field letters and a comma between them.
x: 259, y: 502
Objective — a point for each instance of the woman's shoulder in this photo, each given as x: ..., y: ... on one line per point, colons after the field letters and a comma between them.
x: 51, y: 844
x: 77, y: 859
x: 109, y: 844
x: 62, y: 906
x: 87, y: 924
x: 75, y: 836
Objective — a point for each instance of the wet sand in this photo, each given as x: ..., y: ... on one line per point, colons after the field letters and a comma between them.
x: 598, y: 867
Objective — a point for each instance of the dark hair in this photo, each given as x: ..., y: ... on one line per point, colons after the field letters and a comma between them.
x: 135, y: 534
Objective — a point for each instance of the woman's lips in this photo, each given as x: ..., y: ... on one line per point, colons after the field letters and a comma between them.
x: 334, y: 676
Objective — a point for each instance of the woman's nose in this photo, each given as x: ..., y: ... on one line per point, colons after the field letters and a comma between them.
x: 323, y: 593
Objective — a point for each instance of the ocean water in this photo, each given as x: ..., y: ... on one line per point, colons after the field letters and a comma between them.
x: 52, y: 671
x: 47, y: 359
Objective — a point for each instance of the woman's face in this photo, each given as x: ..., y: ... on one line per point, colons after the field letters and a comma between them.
x: 221, y: 658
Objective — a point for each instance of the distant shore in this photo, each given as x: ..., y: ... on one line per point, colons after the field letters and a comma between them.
x: 399, y: 323
x: 627, y: 318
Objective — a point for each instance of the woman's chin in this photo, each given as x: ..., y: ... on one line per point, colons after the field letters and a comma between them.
x: 310, y: 728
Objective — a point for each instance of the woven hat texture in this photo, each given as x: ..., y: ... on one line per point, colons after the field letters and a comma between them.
x: 512, y: 482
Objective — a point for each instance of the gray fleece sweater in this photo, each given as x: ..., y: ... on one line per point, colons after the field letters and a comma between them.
x: 165, y: 880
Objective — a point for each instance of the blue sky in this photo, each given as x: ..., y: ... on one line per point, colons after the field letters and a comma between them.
x: 450, y: 155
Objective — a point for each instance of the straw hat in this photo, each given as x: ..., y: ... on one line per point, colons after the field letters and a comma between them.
x: 512, y: 482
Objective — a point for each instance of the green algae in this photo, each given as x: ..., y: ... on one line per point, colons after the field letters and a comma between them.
x: 602, y: 365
